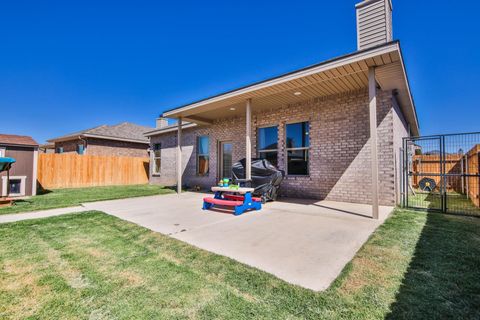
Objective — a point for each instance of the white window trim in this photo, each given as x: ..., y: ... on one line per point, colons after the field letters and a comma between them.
x: 23, y: 182
x: 2, y: 152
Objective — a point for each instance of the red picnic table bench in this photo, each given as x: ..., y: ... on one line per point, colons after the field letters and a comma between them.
x: 224, y: 197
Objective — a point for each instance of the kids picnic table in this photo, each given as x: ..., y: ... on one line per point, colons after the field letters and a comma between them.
x: 239, y: 198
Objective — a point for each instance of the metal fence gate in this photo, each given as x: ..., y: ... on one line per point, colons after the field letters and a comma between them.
x: 442, y: 173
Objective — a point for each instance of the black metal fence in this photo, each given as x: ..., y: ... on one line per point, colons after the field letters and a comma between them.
x: 442, y: 173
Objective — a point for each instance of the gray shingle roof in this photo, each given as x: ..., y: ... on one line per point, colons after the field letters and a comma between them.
x: 125, y: 130
x: 7, y: 139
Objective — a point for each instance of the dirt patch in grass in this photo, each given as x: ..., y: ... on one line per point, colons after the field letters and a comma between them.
x: 20, y: 282
x: 72, y: 276
x: 132, y: 278
x: 373, y: 268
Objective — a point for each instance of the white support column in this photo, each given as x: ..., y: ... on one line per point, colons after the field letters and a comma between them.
x: 35, y: 172
x: 179, y: 156
x: 248, y: 140
x: 372, y: 92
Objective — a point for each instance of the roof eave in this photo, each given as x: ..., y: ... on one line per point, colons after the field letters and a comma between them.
x: 416, y: 129
x: 97, y: 136
x: 317, y: 68
x: 19, y: 145
x: 328, y: 64
x: 168, y: 129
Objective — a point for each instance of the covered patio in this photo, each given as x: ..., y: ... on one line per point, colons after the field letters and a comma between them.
x: 304, y: 242
x: 374, y: 69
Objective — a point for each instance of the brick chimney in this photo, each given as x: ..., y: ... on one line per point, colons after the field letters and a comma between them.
x: 161, y: 123
x: 374, y: 23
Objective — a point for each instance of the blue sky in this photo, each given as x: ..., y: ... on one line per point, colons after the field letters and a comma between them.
x: 70, y: 65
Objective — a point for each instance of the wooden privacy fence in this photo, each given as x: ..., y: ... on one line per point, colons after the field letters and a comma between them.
x: 76, y: 171
x: 464, y: 166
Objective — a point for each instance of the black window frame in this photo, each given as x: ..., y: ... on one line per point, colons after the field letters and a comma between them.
x: 303, y: 148
x: 260, y: 150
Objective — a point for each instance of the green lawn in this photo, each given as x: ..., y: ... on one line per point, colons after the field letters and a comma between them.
x: 60, y: 198
x: 95, y: 266
x: 456, y: 202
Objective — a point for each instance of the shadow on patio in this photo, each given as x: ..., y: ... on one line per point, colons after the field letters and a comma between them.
x: 317, y: 207
x: 442, y: 281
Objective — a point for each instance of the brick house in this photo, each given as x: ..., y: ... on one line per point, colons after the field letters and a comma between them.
x: 23, y: 174
x: 334, y: 127
x: 124, y: 139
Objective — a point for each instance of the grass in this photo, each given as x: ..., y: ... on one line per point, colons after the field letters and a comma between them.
x: 61, y: 198
x: 456, y: 202
x: 95, y: 266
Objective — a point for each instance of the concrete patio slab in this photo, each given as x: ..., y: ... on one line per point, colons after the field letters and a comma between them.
x: 304, y: 242
x: 167, y: 214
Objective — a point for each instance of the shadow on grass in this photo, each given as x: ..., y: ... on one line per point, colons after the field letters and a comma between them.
x: 457, y: 203
x: 442, y: 281
x: 42, y: 191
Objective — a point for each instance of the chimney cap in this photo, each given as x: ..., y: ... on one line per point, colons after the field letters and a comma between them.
x: 161, y: 122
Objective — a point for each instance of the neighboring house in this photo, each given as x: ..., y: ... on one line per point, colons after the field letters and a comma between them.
x: 23, y: 174
x: 47, y: 148
x: 314, y: 123
x: 124, y: 139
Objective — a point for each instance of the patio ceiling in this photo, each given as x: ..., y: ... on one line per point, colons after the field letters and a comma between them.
x: 344, y: 74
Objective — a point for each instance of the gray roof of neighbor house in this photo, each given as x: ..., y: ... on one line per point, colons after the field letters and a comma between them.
x: 11, y: 139
x: 125, y: 131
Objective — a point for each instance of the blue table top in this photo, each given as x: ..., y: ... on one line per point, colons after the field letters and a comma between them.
x: 6, y: 163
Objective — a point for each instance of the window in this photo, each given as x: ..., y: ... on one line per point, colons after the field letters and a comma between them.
x: 203, y: 157
x: 80, y: 149
x: 2, y: 152
x: 59, y: 150
x: 297, y: 145
x: 15, y: 186
x: 268, y: 144
x: 157, y: 158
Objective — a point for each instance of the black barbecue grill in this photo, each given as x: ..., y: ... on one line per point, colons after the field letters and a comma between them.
x: 266, y: 178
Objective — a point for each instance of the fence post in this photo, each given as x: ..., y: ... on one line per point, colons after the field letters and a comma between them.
x: 443, y: 174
